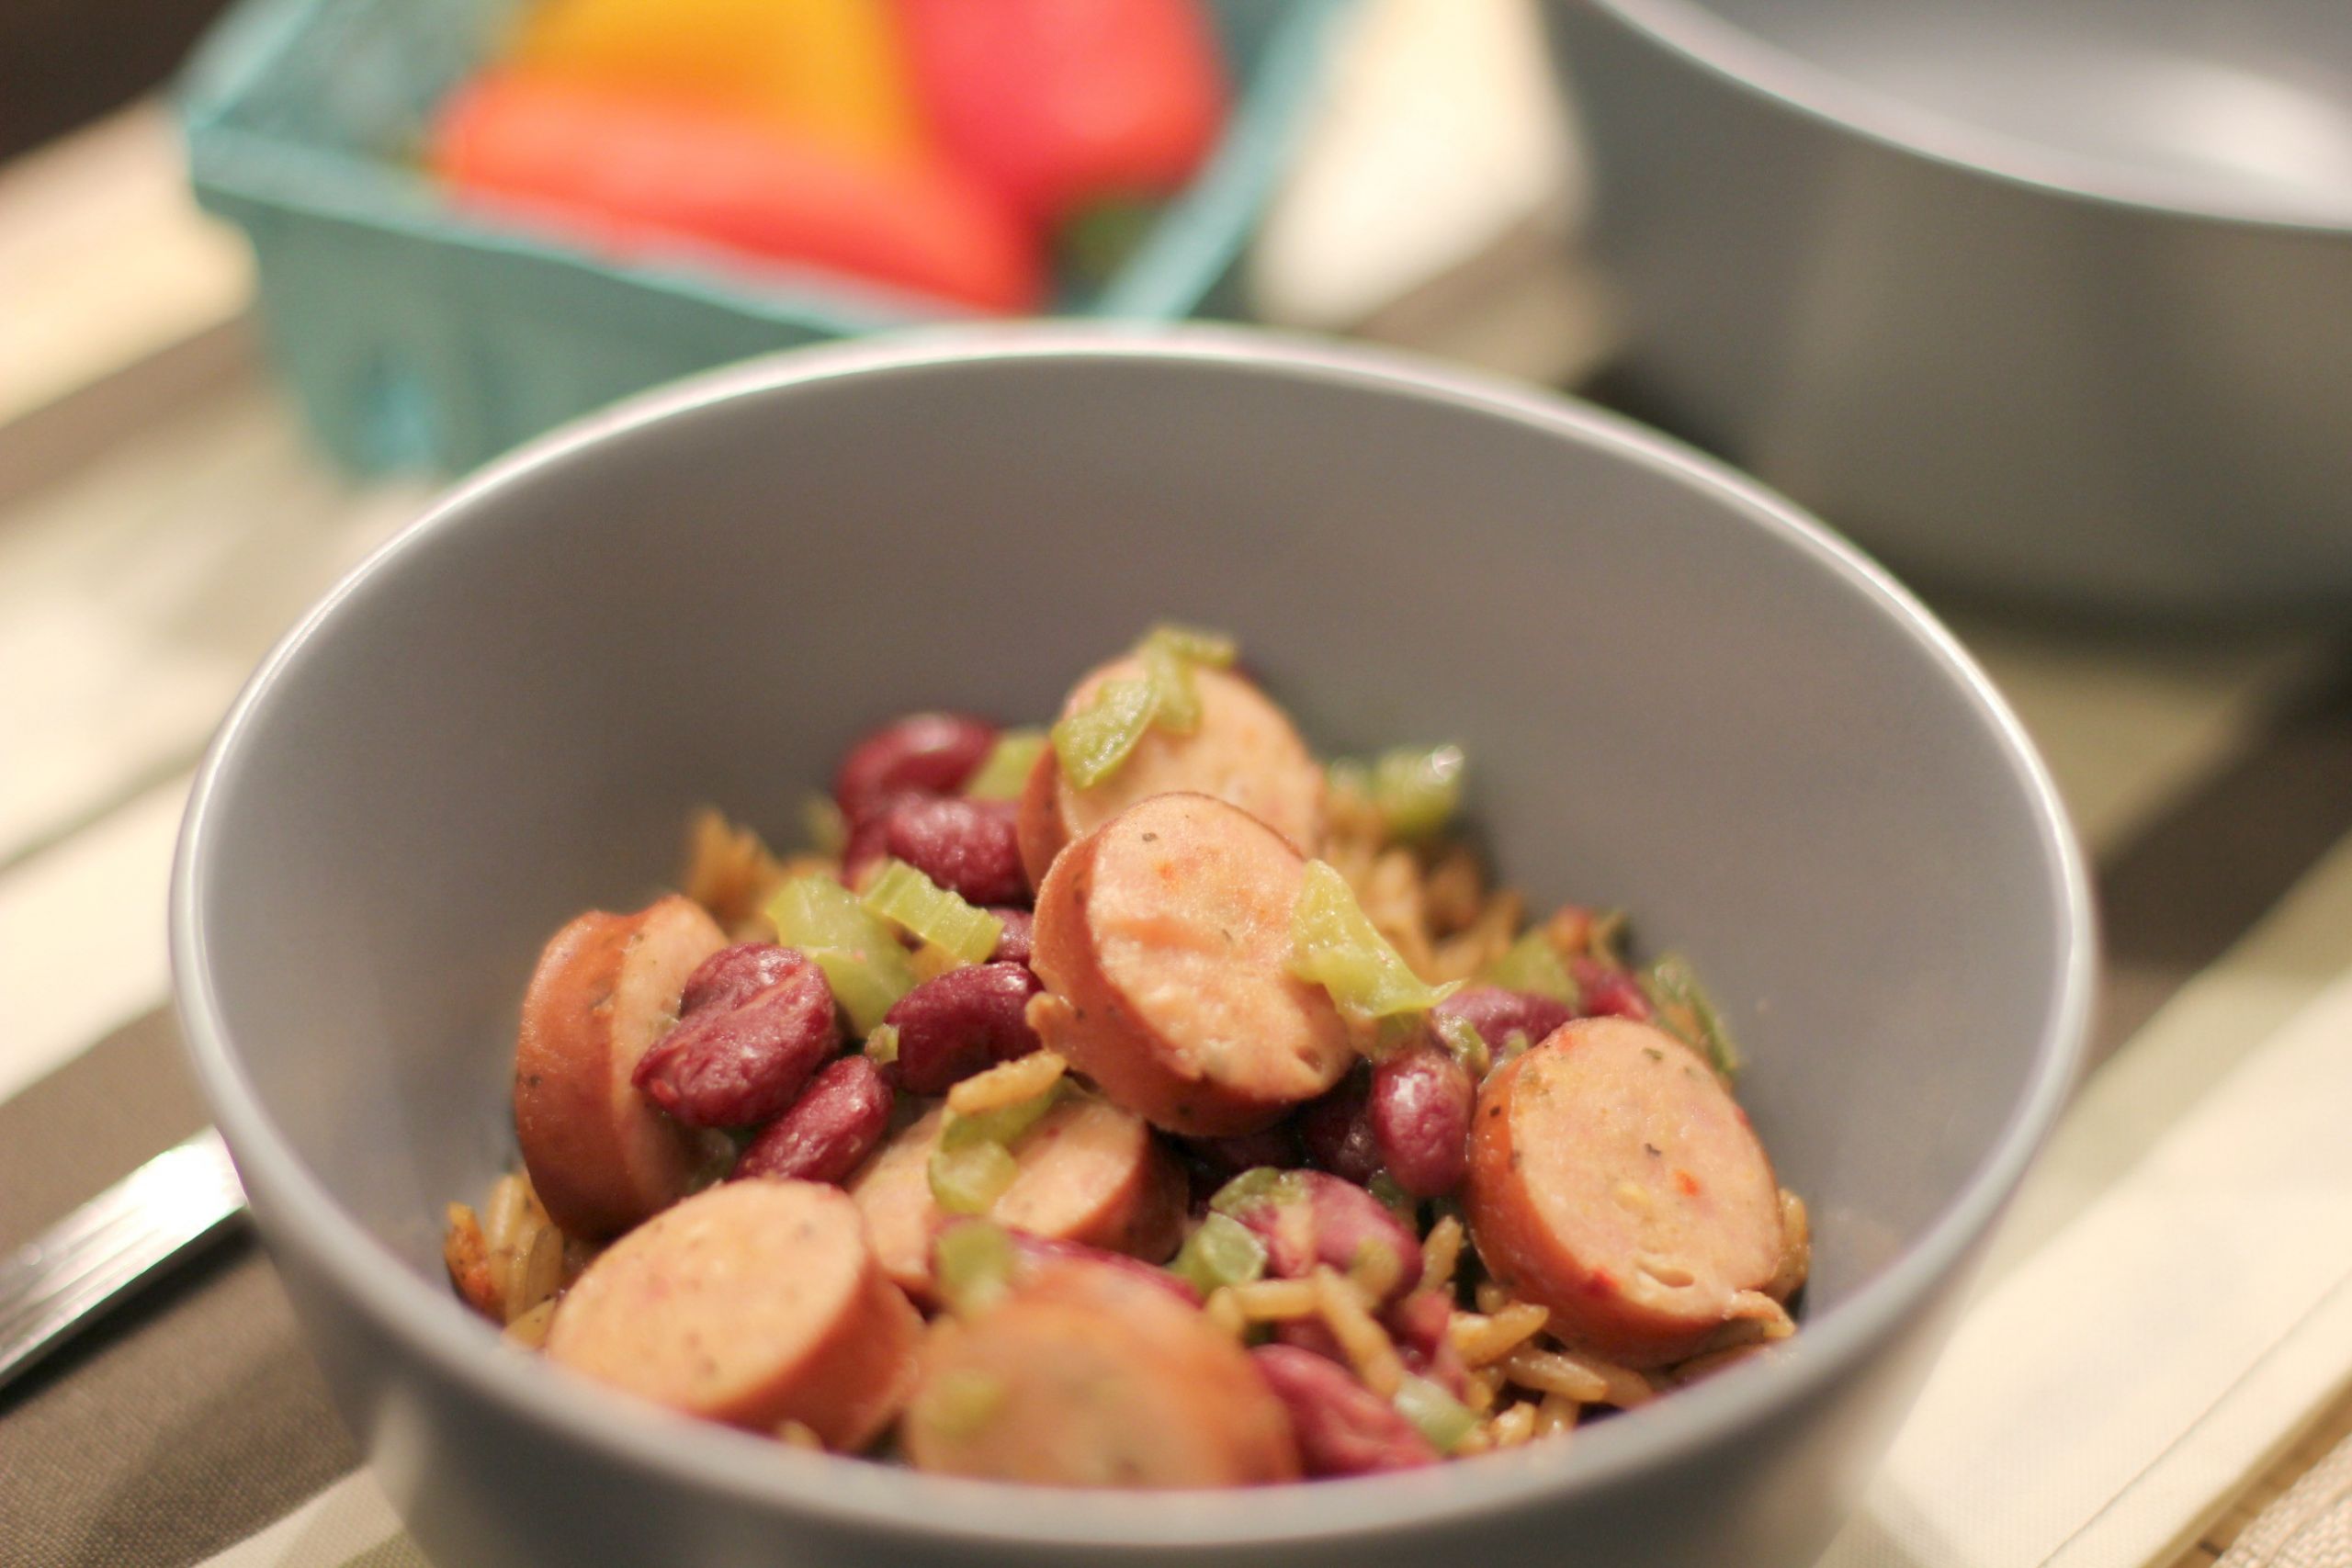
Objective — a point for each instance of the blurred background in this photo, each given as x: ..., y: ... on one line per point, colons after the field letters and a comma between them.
x: 2048, y: 304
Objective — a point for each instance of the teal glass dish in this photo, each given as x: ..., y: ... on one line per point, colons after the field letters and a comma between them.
x: 416, y: 337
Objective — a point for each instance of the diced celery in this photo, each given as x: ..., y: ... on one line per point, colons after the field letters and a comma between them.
x: 1176, y: 701
x: 1461, y: 1037
x: 882, y: 1044
x: 1193, y: 644
x: 1091, y: 742
x: 1168, y: 653
x: 1441, y: 1419
x: 1416, y: 792
x: 1259, y: 1184
x: 1006, y: 769
x: 967, y: 1179
x: 1004, y: 1125
x: 905, y: 895
x: 973, y: 1263
x: 1221, y: 1252
x: 862, y: 963
x: 828, y: 830
x: 1395, y: 1199
x: 1533, y: 963
x: 1335, y: 945
x: 960, y: 1401
x: 1683, y: 1007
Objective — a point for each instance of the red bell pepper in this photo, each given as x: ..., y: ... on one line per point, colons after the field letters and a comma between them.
x: 1059, y: 103
x: 628, y: 173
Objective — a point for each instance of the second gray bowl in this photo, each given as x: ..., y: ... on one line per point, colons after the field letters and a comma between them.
x: 2046, y: 301
x: 1677, y: 694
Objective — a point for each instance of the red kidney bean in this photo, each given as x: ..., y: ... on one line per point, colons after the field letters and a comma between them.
x: 1337, y: 1131
x: 1012, y: 943
x: 1037, y: 1250
x: 955, y: 1025
x: 965, y: 846
x: 1421, y: 1100
x: 1343, y: 1429
x: 929, y: 753
x: 761, y: 1021
x: 733, y: 975
x: 868, y: 841
x: 1609, y: 991
x: 1334, y: 1223
x: 1498, y: 1014
x: 830, y: 1130
x: 1225, y: 1158
x: 1417, y: 1325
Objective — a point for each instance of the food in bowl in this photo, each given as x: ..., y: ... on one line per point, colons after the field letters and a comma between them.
x: 1146, y: 1104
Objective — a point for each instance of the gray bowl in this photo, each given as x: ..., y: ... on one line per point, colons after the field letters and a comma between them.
x: 2051, y: 302
x: 1678, y: 692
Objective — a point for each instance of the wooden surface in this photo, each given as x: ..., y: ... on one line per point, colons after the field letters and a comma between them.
x: 2331, y: 1428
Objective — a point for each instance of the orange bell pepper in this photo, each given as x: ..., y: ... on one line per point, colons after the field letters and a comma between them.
x: 635, y: 177
x: 831, y: 69
x: 1061, y: 103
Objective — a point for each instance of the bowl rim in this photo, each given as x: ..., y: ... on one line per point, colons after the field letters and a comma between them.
x: 406, y: 1308
x: 1755, y: 66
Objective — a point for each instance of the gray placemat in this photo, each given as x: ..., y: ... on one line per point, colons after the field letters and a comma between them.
x: 191, y: 1419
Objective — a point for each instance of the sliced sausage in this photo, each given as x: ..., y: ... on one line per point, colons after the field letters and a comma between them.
x: 1089, y: 1173
x: 754, y: 1303
x: 601, y: 1156
x: 1244, y: 752
x: 1164, y: 940
x: 1085, y: 1377
x: 1613, y: 1180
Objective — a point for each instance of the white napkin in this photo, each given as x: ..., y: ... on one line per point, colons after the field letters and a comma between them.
x: 2171, y: 1299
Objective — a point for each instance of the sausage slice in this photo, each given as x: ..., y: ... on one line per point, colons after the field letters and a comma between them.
x: 1089, y: 1173
x: 600, y: 1155
x: 754, y: 1303
x: 1085, y: 1377
x: 1164, y: 940
x: 1613, y: 1180
x: 1244, y: 752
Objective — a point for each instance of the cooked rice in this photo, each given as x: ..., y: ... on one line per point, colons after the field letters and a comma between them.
x: 1224, y: 1312
x: 1440, y: 1254
x: 730, y: 870
x: 1796, y: 1249
x: 1274, y: 1300
x: 1480, y: 1388
x: 533, y: 1278
x: 1512, y: 1425
x: 530, y: 1330
x: 1713, y: 1361
x: 1480, y: 1340
x: 800, y: 1435
x: 1365, y: 1342
x: 1432, y: 903
x: 1550, y: 1373
x: 1556, y: 1416
x: 1007, y: 1083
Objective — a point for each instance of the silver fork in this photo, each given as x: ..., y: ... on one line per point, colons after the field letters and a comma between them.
x: 63, y: 1280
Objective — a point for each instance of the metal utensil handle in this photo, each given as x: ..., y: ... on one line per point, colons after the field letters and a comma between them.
x: 65, y: 1279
